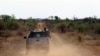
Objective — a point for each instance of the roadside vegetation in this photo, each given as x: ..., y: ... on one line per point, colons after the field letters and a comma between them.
x: 83, y: 32
x: 88, y: 24
x: 77, y: 29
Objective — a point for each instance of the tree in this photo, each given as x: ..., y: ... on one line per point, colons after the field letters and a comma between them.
x: 13, y: 16
x: 9, y: 21
x: 29, y: 23
x: 57, y: 19
x: 51, y: 17
x: 5, y: 18
x: 2, y: 25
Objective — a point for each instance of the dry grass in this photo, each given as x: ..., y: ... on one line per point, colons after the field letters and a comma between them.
x: 81, y: 38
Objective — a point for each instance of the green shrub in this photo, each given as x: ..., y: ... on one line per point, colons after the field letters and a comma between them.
x: 97, y: 29
x: 61, y: 27
x: 79, y: 38
x: 14, y: 26
x: 29, y: 24
x: 81, y: 27
x: 8, y: 22
x: 2, y: 25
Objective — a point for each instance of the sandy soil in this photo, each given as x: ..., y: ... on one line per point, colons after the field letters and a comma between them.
x: 57, y: 47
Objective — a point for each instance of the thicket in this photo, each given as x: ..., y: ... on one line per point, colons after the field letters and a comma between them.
x: 87, y: 24
x: 81, y: 25
x: 8, y: 22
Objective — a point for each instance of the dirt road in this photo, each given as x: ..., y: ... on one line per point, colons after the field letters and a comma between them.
x: 57, y: 47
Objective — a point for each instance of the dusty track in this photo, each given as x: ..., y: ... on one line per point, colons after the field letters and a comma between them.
x: 57, y: 47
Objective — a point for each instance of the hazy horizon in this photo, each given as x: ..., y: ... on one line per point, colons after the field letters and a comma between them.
x: 46, y: 8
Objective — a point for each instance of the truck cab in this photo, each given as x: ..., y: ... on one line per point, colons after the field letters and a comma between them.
x: 38, y: 38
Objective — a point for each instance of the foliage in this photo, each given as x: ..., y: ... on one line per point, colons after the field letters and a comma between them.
x: 2, y: 25
x: 97, y: 28
x: 81, y: 27
x: 56, y: 23
x: 9, y: 22
x: 61, y: 27
x: 29, y: 24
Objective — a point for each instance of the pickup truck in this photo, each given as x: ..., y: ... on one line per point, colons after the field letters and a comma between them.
x: 37, y: 40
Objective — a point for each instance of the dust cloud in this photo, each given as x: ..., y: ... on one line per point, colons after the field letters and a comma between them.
x: 57, y: 47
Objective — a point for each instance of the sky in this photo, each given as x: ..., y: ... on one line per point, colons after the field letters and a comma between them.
x: 46, y: 8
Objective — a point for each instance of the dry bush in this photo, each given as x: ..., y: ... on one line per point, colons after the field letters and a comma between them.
x: 1, y: 33
x: 61, y: 27
x: 2, y: 25
x: 79, y: 38
x: 20, y: 33
x: 4, y: 33
x: 97, y: 30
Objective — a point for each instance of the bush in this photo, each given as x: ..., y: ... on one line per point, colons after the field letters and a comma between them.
x: 97, y: 29
x: 2, y: 25
x: 71, y: 25
x: 79, y: 38
x: 61, y: 27
x: 29, y: 24
x: 14, y: 26
x: 8, y: 22
x: 81, y: 27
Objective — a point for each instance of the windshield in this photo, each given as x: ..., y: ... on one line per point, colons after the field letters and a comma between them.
x: 37, y: 34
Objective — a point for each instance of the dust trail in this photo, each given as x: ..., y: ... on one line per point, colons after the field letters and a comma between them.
x: 59, y: 48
